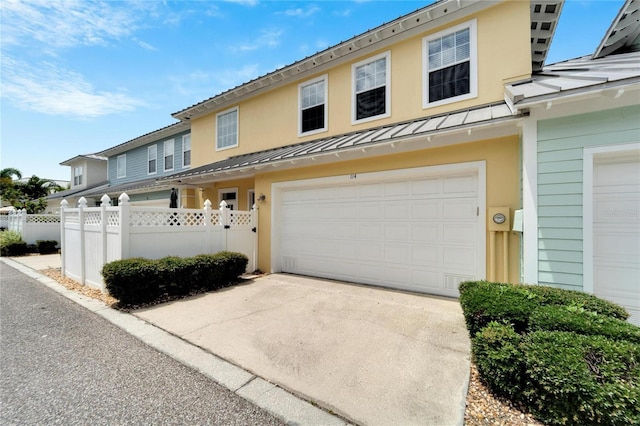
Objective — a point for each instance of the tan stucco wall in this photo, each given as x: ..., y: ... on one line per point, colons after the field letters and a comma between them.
x: 270, y: 120
x: 210, y: 192
x: 502, y: 174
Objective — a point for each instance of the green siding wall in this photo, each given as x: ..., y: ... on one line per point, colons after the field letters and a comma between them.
x: 561, y: 143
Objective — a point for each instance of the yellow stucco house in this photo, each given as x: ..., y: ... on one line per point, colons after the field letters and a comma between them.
x: 389, y: 159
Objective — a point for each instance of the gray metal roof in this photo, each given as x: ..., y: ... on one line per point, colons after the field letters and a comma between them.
x: 624, y: 32
x: 75, y: 192
x: 432, y: 125
x: 576, y: 76
x: 147, y: 185
x: 154, y: 136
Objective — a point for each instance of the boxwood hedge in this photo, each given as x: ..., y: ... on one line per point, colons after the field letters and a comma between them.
x: 138, y: 280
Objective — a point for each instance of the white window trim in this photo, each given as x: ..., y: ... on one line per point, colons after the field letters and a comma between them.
x: 164, y: 154
x: 387, y: 113
x: 237, y: 109
x: 124, y: 174
x: 183, y: 150
x: 473, y: 64
x: 324, y: 128
x: 149, y: 149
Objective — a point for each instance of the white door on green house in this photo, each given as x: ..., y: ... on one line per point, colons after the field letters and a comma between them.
x: 616, y: 228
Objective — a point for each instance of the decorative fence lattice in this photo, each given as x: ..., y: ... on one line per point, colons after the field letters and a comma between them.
x: 93, y: 236
x: 34, y: 227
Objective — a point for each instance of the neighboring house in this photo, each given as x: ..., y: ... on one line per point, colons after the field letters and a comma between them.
x: 380, y: 159
x: 581, y: 168
x: 133, y: 167
x: 86, y: 172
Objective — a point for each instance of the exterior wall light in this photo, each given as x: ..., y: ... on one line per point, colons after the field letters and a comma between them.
x: 262, y: 198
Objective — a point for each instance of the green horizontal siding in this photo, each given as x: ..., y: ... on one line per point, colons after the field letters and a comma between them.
x: 561, y: 144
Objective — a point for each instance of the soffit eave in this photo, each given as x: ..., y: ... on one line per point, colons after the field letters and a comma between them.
x: 458, y: 135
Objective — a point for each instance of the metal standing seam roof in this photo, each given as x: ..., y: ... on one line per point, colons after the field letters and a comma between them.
x: 363, y: 139
x: 106, y: 188
x: 577, y: 75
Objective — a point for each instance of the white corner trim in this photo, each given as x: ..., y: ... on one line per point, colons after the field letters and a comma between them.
x: 530, y: 200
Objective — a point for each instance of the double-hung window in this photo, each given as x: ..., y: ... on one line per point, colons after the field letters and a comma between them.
x: 313, y: 106
x: 168, y: 155
x: 372, y: 88
x: 152, y: 159
x: 77, y: 175
x: 450, y: 59
x: 227, y: 129
x: 186, y: 150
x: 121, y: 166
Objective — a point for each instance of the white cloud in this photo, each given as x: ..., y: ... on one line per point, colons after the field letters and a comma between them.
x: 302, y: 13
x: 268, y: 38
x: 244, y: 2
x: 66, y: 23
x: 51, y: 90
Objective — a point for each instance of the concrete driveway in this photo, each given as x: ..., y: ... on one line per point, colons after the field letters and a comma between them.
x: 372, y: 356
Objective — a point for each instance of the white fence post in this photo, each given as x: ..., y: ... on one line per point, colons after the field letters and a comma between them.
x: 125, y: 243
x: 63, y: 248
x: 103, y: 226
x: 254, y: 229
x: 82, y: 204
x: 208, y: 226
x: 224, y: 221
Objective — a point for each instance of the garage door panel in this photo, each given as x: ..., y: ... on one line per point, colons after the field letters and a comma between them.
x: 430, y: 186
x: 418, y: 234
x: 427, y: 209
x: 616, y: 230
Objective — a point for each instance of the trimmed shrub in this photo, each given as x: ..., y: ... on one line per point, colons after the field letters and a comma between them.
x: 11, y: 244
x: 581, y: 321
x: 47, y: 246
x: 483, y: 302
x: 579, y: 380
x: 132, y: 281
x: 135, y: 281
x: 499, y: 359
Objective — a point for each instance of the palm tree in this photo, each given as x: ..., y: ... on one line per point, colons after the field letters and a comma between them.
x: 7, y: 184
x: 36, y: 187
x: 9, y: 172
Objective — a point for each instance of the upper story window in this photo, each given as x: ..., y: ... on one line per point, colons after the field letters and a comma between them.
x: 313, y: 106
x: 121, y: 166
x: 152, y: 159
x: 168, y: 155
x: 372, y: 88
x: 186, y: 150
x: 77, y: 175
x: 450, y: 59
x: 227, y: 129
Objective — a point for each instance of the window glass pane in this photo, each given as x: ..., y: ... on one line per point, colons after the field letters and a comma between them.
x: 371, y: 75
x: 227, y: 129
x: 371, y: 103
x: 313, y: 118
x: 449, y: 65
x: 168, y: 155
x: 186, y: 150
x: 449, y: 82
x: 121, y: 166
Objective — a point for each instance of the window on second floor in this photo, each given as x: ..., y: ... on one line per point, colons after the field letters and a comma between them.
x: 186, y: 150
x: 152, y: 159
x: 121, y: 166
x: 227, y: 129
x: 168, y: 155
x: 450, y: 65
x: 372, y: 88
x: 77, y: 175
x: 313, y: 106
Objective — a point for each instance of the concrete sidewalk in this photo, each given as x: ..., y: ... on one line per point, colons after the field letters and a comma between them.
x: 370, y: 355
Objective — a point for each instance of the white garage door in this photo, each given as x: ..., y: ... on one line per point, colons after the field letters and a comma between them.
x: 616, y: 230
x: 416, y: 232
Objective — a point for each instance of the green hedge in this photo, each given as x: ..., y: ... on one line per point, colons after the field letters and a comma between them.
x: 582, y: 380
x: 47, y: 246
x: 11, y: 244
x: 568, y: 356
x: 581, y: 321
x: 137, y: 280
x: 484, y: 302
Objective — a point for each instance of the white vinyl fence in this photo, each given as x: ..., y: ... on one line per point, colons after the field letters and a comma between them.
x: 34, y: 227
x: 93, y: 236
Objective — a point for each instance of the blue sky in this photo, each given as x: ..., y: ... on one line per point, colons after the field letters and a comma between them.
x: 81, y: 76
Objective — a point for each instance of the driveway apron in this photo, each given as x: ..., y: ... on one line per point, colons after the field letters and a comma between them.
x: 371, y: 355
